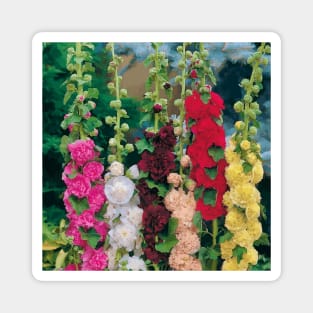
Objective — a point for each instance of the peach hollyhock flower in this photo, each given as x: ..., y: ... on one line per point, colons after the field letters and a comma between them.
x: 183, y: 262
x: 174, y: 179
x: 185, y: 161
x: 189, y: 242
x: 171, y: 199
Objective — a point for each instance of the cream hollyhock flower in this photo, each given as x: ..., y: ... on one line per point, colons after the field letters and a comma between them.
x: 132, y: 263
x: 133, y: 214
x: 116, y: 169
x: 123, y: 235
x: 119, y: 190
x: 133, y: 172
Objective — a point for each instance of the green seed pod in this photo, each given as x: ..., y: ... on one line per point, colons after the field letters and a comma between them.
x: 253, y: 131
x: 257, y: 55
x: 111, y: 85
x: 123, y: 112
x: 264, y: 61
x: 73, y: 77
x: 123, y: 93
x: 240, y: 125
x: 115, y: 104
x: 179, y: 49
x: 245, y: 83
x: 252, y: 114
x: 267, y: 49
x: 188, y: 92
x: 71, y: 50
x: 204, y: 54
x: 178, y: 102
x: 153, y: 71
x: 254, y: 106
x: 250, y: 60
x: 112, y: 142
x: 109, y: 120
x: 178, y: 79
x: 247, y: 99
x: 129, y: 147
x: 238, y: 106
x: 188, y: 54
x: 111, y: 158
x: 87, y: 77
x: 124, y: 127
x: 70, y: 67
x: 256, y: 89
x: 181, y: 65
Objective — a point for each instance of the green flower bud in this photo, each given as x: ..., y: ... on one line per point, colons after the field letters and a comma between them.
x: 178, y: 102
x: 199, y: 64
x: 87, y: 78
x: 258, y: 55
x: 115, y: 104
x: 153, y: 71
x: 70, y: 67
x: 112, y: 142
x: 245, y: 83
x: 204, y: 54
x: 256, y: 89
x: 247, y: 99
x: 71, y: 50
x: 252, y: 114
x: 163, y: 101
x: 267, y: 49
x: 238, y: 106
x: 124, y: 127
x: 178, y: 79
x: 188, y: 54
x: 179, y: 49
x: 264, y: 61
x: 178, y: 131
x: 109, y: 120
x: 181, y: 65
x: 129, y: 147
x: 73, y: 77
x: 123, y: 112
x: 111, y: 85
x: 190, y: 184
x: 123, y: 92
x: 110, y: 69
x: 254, y: 106
x: 253, y: 131
x: 176, y: 123
x: 250, y: 60
x: 111, y: 158
x: 240, y: 125
x: 188, y: 92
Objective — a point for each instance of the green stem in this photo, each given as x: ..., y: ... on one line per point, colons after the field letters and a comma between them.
x: 202, y: 80
x: 80, y: 89
x: 182, y: 108
x: 157, y: 92
x: 118, y: 112
x: 214, y: 241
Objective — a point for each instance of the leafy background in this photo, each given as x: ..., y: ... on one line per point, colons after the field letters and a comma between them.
x: 228, y: 62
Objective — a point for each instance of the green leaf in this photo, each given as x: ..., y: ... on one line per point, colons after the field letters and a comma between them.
x: 172, y: 225
x: 191, y: 122
x: 167, y: 245
x: 211, y: 172
x: 148, y: 83
x: 67, y: 96
x: 91, y: 236
x: 256, y: 123
x: 143, y: 145
x: 204, y: 257
x: 146, y: 118
x: 209, y: 197
x: 88, y: 45
x: 263, y: 212
x: 197, y: 220
x: 205, y: 97
x: 79, y: 205
x: 162, y: 189
x: 198, y: 193
x: 143, y: 174
x: 213, y: 253
x: 87, y: 67
x: 59, y: 262
x: 65, y: 141
x: 227, y: 236
x: 217, y: 153
x: 262, y: 241
x: 238, y: 252
x: 218, y: 121
x: 247, y: 167
x: 74, y: 118
x: 91, y: 123
x: 93, y: 93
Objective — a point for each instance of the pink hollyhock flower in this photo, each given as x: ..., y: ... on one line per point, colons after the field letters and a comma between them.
x: 86, y: 219
x: 70, y: 127
x: 67, y: 203
x: 93, y: 170
x: 96, y: 198
x: 73, y: 231
x: 72, y: 267
x: 87, y: 115
x: 79, y: 186
x: 82, y: 151
x: 80, y: 98
x: 69, y: 169
x: 101, y: 228
x: 94, y: 260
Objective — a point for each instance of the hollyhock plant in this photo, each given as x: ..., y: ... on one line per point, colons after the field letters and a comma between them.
x: 93, y: 170
x: 82, y: 151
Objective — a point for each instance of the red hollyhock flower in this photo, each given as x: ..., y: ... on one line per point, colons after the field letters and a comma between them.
x: 209, y: 212
x: 193, y: 74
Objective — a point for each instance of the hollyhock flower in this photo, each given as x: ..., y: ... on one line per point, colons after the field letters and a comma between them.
x: 69, y: 169
x: 123, y: 235
x: 165, y: 138
x: 155, y: 216
x: 157, y: 108
x: 101, y: 228
x: 244, y: 195
x: 87, y: 115
x: 209, y: 212
x: 72, y: 267
x: 185, y: 161
x: 86, y: 219
x: 132, y: 263
x: 116, y: 169
x: 193, y: 74
x: 133, y: 214
x: 96, y: 198
x: 93, y: 170
x: 153, y: 255
x: 79, y: 186
x: 133, y: 171
x: 82, y: 151
x: 67, y: 203
x: 147, y: 195
x: 73, y: 231
x: 175, y: 179
x: 94, y: 260
x: 181, y: 261
x: 119, y: 189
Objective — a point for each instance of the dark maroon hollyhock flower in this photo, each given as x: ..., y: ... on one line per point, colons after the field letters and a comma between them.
x: 167, y: 85
x: 155, y: 216
x: 193, y: 74
x: 148, y: 135
x: 154, y: 255
x: 165, y: 138
x: 157, y: 108
x: 147, y: 196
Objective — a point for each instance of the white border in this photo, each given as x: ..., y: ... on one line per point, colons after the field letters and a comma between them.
x: 271, y: 37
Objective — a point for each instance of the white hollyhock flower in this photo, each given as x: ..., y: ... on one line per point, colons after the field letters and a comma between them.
x: 116, y: 169
x: 133, y: 263
x: 133, y: 172
x: 133, y: 214
x: 119, y: 190
x: 123, y: 235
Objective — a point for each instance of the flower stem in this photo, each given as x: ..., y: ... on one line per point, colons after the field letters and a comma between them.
x: 214, y: 237
x: 118, y: 112
x: 201, y: 49
x: 79, y: 67
x: 157, y: 92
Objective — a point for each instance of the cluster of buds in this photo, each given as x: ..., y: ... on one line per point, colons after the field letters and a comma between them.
x: 117, y: 149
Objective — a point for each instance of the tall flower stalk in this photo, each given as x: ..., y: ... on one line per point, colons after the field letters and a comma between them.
x: 84, y: 197
x: 244, y: 172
